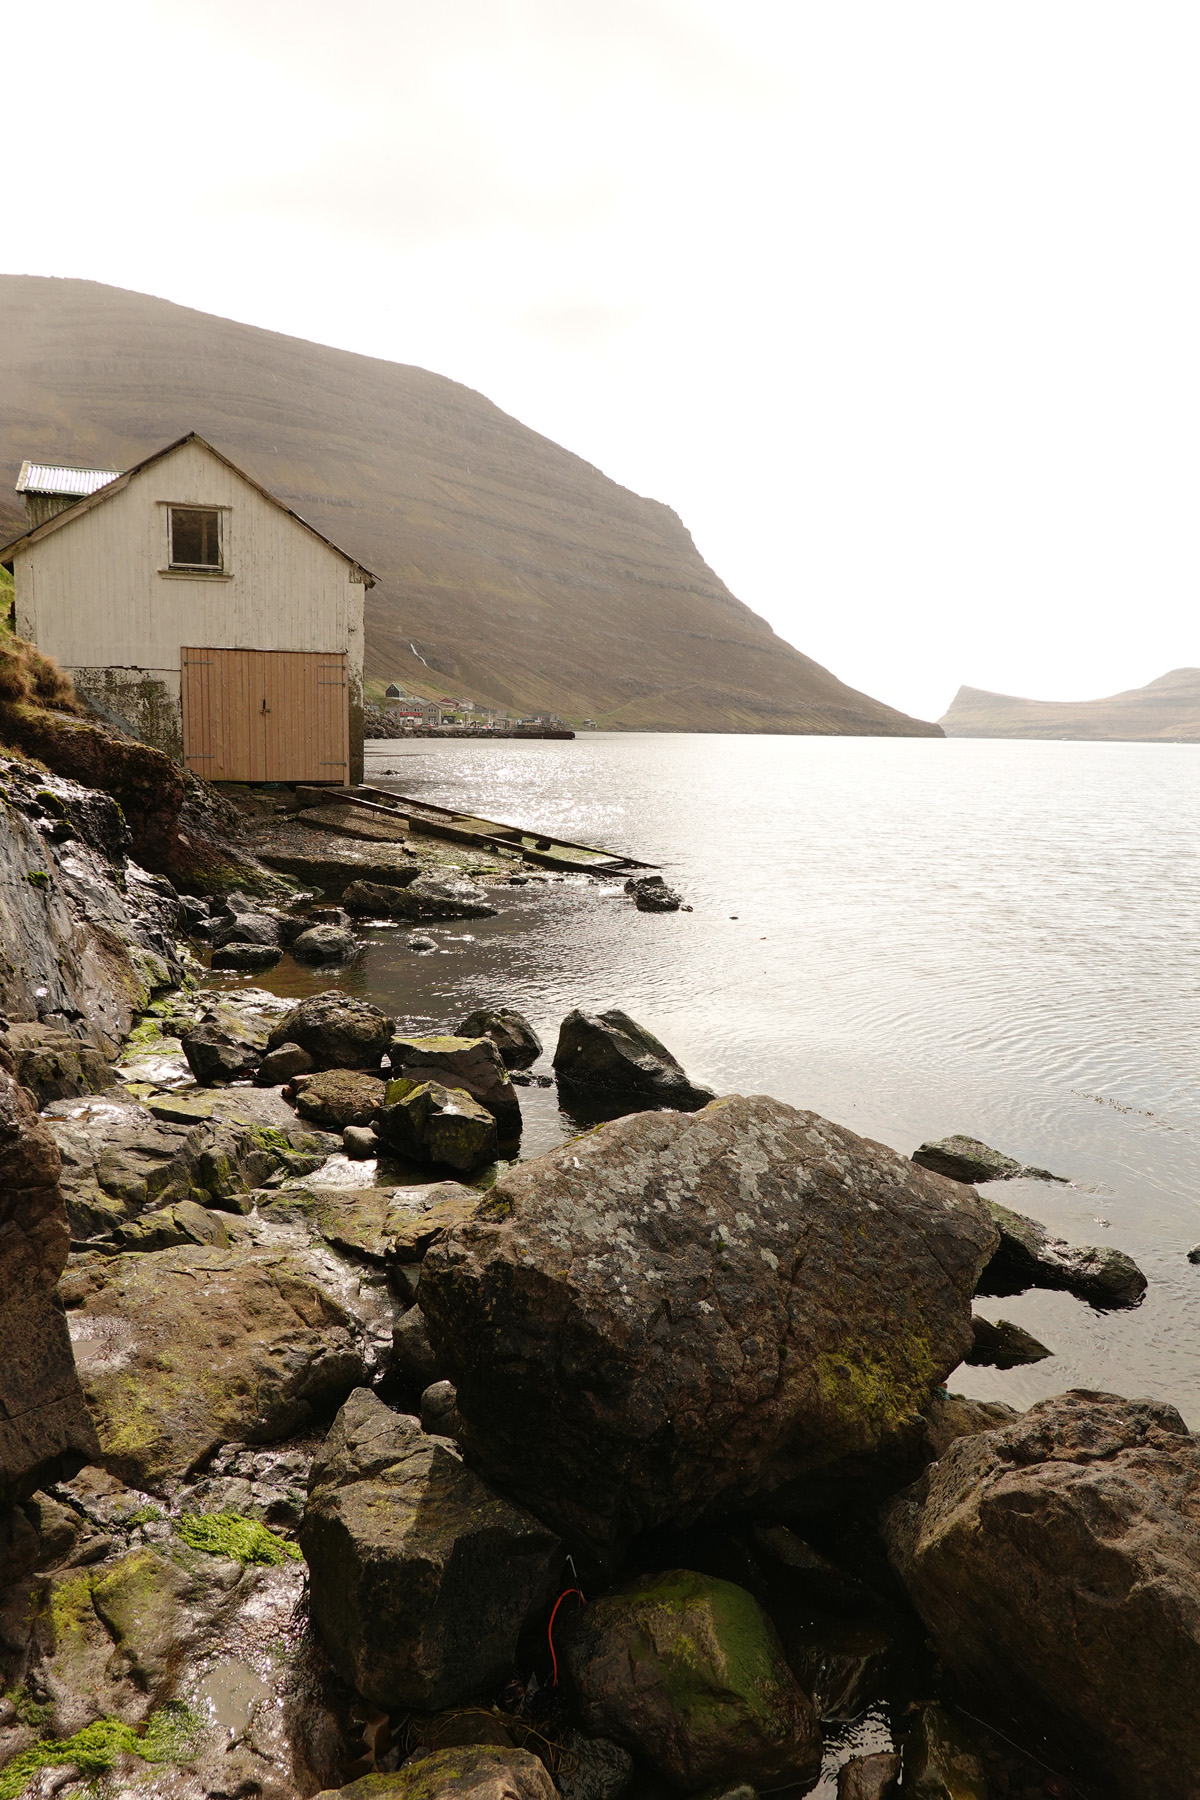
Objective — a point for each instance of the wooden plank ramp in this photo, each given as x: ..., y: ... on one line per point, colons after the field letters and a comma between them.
x: 424, y: 818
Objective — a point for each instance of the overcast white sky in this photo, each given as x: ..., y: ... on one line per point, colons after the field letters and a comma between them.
x: 897, y: 302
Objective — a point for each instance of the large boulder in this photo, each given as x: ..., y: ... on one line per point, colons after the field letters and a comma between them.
x: 1056, y: 1564
x: 185, y: 1349
x: 335, y: 1098
x: 466, y: 1772
x: 688, y: 1672
x: 1028, y: 1256
x: 514, y: 1037
x: 610, y: 1053
x: 442, y: 1126
x: 420, y: 1576
x: 473, y: 1064
x: 337, y: 1031
x: 677, y: 1313
x: 43, y: 1420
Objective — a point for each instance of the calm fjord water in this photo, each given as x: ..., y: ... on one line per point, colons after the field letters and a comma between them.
x: 996, y: 938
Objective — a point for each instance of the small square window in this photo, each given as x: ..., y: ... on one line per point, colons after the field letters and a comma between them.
x: 195, y: 537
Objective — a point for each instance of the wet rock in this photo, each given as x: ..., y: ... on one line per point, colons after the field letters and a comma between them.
x: 194, y: 917
x: 1000, y: 1344
x: 439, y: 1410
x: 222, y: 1048
x: 182, y: 1350
x: 280, y: 1065
x: 360, y: 1142
x: 941, y: 1761
x: 43, y: 1421
x: 153, y: 1635
x: 420, y: 1576
x: 183, y: 1223
x: 1055, y: 1562
x: 474, y: 1772
x: 247, y: 928
x: 748, y: 1299
x: 514, y: 1037
x: 869, y: 1777
x: 433, y: 1124
x: 689, y: 1673
x: 373, y: 899
x: 180, y: 1109
x: 54, y: 1065
x: 966, y: 1159
x: 844, y: 1664
x: 473, y: 1064
x: 320, y: 860
x: 1193, y: 1254
x: 790, y: 1564
x: 415, y: 1363
x: 1028, y: 1256
x: 335, y: 1098
x: 609, y: 1053
x: 430, y: 897
x: 246, y: 958
x: 337, y: 1031
x: 442, y: 1206
x: 325, y: 943
x: 593, y: 1768
x: 421, y: 942
x: 650, y: 893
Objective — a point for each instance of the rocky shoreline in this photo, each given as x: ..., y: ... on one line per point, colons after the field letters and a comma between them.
x: 343, y: 1450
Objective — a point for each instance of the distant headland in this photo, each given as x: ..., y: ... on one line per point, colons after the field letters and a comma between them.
x: 1166, y: 711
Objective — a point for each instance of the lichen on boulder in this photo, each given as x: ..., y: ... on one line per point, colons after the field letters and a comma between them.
x: 679, y: 1314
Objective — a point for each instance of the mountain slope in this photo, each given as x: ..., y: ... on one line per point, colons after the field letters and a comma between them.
x: 509, y: 570
x: 1168, y: 708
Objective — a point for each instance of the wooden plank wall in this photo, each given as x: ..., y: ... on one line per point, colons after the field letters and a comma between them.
x: 266, y: 715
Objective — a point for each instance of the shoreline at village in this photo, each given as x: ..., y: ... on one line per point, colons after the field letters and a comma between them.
x: 279, y: 1327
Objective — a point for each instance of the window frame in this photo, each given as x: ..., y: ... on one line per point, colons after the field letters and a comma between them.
x: 177, y: 567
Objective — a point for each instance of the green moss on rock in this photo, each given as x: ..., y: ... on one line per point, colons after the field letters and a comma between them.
x: 229, y: 1534
x: 165, y: 1737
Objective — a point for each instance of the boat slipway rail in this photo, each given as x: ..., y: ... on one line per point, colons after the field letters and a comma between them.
x: 429, y: 820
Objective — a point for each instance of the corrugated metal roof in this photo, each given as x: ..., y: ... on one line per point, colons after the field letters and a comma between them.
x: 52, y: 478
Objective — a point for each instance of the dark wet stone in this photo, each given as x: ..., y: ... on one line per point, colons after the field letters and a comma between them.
x: 1028, y: 1256
x: 248, y: 958
x: 442, y: 1126
x: 280, y: 1065
x: 514, y: 1037
x: 966, y: 1159
x: 338, y: 1031
x: 325, y: 943
x: 1003, y: 1345
x: 610, y: 1053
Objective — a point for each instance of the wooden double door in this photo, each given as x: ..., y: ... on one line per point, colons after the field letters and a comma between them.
x: 266, y: 715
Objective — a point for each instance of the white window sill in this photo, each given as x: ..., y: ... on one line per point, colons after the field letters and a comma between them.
x: 196, y: 574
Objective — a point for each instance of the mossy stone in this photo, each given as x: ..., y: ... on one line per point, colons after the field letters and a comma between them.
x: 688, y: 1672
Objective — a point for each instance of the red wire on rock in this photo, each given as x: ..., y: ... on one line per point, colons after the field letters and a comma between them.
x: 566, y: 1593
